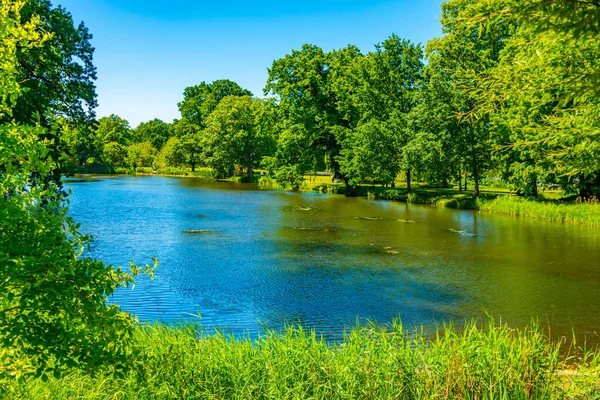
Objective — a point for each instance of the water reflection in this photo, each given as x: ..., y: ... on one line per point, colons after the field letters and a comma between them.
x: 243, y: 257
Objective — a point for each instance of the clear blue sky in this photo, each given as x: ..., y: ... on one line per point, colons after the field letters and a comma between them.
x: 149, y: 51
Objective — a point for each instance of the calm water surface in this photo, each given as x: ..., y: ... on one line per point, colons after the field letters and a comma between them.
x: 266, y: 258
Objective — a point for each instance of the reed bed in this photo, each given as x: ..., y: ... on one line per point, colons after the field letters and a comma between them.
x: 474, y: 362
x: 587, y: 213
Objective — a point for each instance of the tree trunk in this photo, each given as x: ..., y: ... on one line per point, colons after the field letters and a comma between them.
x: 534, y: 188
x: 476, y: 179
x: 459, y: 181
x: 466, y: 179
x: 350, y: 190
x: 250, y: 172
x: 193, y: 167
x: 408, y: 186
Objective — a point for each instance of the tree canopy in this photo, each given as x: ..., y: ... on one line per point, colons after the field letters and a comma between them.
x: 53, y: 302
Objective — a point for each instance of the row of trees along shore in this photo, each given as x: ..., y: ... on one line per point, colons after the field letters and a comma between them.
x: 510, y: 90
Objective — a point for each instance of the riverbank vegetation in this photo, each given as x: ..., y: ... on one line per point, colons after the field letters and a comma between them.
x: 484, y: 362
x: 510, y: 91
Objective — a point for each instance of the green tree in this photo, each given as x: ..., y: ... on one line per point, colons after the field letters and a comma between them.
x: 171, y: 154
x: 141, y: 155
x: 239, y: 132
x: 463, y: 55
x: 114, y: 154
x: 292, y: 157
x: 78, y: 147
x: 155, y: 131
x: 53, y: 302
x: 544, y: 93
x: 303, y: 84
x: 113, y: 129
x: 190, y: 148
x: 112, y: 137
x: 58, y: 75
x: 382, y: 90
x: 200, y: 100
x: 434, y: 119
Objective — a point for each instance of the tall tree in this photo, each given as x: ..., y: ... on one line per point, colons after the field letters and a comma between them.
x: 381, y: 90
x: 113, y: 135
x: 239, y: 132
x: 302, y: 83
x: 155, y: 131
x: 53, y: 302
x: 140, y: 155
x: 200, y: 100
x: 189, y: 146
x: 544, y: 93
x: 57, y: 77
x: 434, y: 120
x: 113, y: 129
x: 465, y: 53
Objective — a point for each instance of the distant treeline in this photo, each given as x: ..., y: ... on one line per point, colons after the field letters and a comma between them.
x: 510, y: 91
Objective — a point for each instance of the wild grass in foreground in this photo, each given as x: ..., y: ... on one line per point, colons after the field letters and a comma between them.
x: 490, y: 362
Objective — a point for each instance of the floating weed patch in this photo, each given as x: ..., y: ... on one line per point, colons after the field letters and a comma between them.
x: 463, y: 232
x: 318, y: 229
x: 297, y: 208
x: 198, y: 231
x: 389, y: 250
x: 369, y: 218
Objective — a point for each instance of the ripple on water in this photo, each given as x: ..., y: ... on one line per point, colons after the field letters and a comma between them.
x: 241, y: 258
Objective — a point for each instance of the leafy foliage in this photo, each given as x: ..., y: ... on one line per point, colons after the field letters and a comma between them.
x: 201, y: 100
x: 58, y: 75
x: 156, y: 132
x: 53, y: 311
x: 303, y: 83
x: 544, y: 93
x: 239, y: 132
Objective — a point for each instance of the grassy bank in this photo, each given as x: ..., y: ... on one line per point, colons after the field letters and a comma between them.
x: 576, y: 212
x: 587, y: 213
x: 490, y: 362
x: 174, y: 171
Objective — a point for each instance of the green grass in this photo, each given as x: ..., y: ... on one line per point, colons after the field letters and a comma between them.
x: 492, y: 200
x: 477, y: 362
x: 576, y: 212
x: 175, y: 171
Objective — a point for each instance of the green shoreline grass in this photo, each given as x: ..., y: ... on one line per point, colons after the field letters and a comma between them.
x: 477, y: 362
x: 585, y: 213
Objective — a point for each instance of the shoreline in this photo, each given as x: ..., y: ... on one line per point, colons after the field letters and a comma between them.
x: 490, y: 201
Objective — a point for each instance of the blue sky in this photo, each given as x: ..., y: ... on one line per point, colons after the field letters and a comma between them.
x: 148, y: 52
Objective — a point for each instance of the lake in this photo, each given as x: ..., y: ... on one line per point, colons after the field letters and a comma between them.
x: 239, y: 258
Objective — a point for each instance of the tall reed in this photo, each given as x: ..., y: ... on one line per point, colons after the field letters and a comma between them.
x: 475, y: 362
x: 577, y: 212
